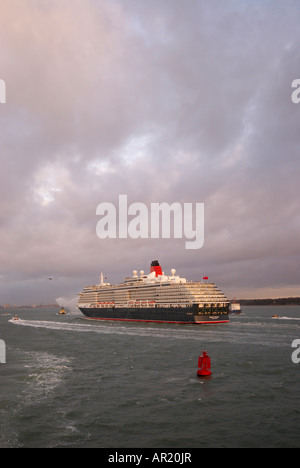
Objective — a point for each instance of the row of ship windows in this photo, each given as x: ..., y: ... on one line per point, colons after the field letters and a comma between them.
x: 135, y: 296
x: 157, y: 300
x: 139, y: 293
x: 203, y: 309
x: 173, y: 298
x: 170, y: 288
x: 159, y: 304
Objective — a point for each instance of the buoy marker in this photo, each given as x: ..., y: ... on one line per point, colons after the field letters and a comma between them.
x: 204, y: 365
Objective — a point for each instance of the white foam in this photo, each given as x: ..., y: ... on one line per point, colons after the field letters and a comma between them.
x: 287, y: 318
x: 111, y: 329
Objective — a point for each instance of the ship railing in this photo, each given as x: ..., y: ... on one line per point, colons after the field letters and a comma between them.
x: 140, y: 304
x: 176, y: 305
x: 105, y: 305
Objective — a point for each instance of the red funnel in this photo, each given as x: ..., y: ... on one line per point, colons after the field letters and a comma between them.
x: 156, y: 267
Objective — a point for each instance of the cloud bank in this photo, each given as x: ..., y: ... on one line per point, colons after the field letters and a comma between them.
x: 164, y: 102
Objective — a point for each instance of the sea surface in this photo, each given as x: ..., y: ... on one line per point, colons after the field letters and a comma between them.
x: 70, y: 382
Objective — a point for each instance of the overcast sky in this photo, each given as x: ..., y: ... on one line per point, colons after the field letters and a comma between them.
x: 161, y: 100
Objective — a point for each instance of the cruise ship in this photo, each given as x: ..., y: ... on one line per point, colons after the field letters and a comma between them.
x: 155, y: 297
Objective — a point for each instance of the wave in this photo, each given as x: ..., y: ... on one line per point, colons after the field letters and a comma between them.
x: 288, y: 318
x: 254, y: 333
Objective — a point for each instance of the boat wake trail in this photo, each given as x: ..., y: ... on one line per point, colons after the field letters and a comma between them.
x: 169, y: 332
x: 51, y: 325
x: 288, y: 318
x: 110, y: 329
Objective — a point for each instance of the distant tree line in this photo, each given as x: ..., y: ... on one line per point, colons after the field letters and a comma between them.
x: 279, y: 301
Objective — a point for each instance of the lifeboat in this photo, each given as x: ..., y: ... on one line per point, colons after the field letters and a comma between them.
x: 62, y: 311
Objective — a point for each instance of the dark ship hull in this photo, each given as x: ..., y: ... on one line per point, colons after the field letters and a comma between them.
x: 179, y: 315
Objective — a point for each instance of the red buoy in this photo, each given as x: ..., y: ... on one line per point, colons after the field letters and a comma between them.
x: 204, y: 365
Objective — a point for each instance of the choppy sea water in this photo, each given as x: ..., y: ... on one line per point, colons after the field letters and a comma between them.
x: 70, y: 382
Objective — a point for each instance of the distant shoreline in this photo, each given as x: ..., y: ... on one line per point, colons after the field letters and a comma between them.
x: 278, y: 301
x: 41, y: 306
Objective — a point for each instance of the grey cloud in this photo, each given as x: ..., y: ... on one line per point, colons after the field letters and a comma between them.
x: 163, y: 101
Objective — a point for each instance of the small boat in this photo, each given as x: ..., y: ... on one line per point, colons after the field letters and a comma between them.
x: 16, y: 318
x: 235, y: 308
x: 62, y: 311
x: 275, y: 316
